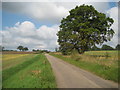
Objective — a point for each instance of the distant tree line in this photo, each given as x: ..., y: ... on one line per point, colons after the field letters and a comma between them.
x: 21, y: 48
x: 95, y: 48
x: 40, y: 51
x: 104, y: 47
x: 118, y: 47
x: 2, y: 48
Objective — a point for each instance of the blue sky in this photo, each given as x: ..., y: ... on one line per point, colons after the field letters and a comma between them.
x: 9, y: 19
x: 112, y: 4
x: 35, y: 25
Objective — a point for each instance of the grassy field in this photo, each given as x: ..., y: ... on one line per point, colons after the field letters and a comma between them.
x: 101, y: 63
x: 10, y: 60
x: 27, y: 71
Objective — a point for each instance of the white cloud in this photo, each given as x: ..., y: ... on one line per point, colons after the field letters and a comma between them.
x: 113, y: 13
x: 43, y: 12
x: 26, y: 34
x: 60, y: 0
x: 51, y: 12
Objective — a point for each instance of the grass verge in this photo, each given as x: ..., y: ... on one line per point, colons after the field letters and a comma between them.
x: 106, y: 72
x: 33, y: 73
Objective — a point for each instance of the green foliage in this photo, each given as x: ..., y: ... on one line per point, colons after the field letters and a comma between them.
x: 84, y: 28
x: 40, y: 51
x: 20, y: 48
x: 118, y: 47
x: 107, y: 47
x: 25, y: 49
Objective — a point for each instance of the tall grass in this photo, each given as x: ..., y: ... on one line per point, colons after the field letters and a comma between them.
x: 101, y: 63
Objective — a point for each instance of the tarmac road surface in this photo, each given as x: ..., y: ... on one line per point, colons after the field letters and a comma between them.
x: 70, y: 76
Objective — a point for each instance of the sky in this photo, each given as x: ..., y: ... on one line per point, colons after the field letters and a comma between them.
x: 35, y: 24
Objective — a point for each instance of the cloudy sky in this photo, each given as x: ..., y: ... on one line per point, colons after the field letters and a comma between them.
x: 35, y: 24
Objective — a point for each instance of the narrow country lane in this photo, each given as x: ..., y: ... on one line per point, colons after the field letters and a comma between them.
x: 69, y: 76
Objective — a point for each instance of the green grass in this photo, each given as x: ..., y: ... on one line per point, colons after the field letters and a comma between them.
x: 103, y: 70
x: 11, y: 61
x: 33, y: 73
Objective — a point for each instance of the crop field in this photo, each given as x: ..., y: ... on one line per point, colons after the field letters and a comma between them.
x: 106, y: 58
x: 27, y: 71
x: 101, y: 63
x: 10, y: 60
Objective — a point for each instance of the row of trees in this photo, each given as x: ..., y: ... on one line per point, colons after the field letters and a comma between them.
x: 40, y: 51
x: 21, y: 48
x: 105, y: 47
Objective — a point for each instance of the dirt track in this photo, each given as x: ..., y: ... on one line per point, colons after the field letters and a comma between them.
x: 69, y: 76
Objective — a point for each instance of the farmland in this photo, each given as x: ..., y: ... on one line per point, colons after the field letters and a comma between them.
x: 27, y: 71
x: 101, y: 63
x: 34, y: 70
x: 10, y: 60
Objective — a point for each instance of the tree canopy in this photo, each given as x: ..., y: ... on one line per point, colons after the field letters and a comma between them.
x: 21, y: 48
x: 25, y: 49
x: 83, y: 28
x: 107, y: 47
x: 118, y: 47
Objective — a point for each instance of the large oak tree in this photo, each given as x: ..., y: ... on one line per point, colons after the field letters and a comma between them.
x: 83, y: 28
